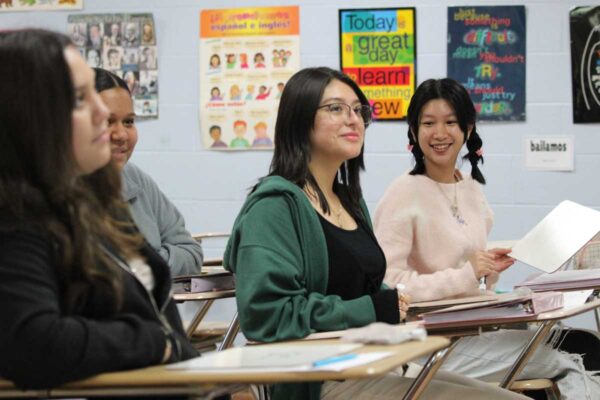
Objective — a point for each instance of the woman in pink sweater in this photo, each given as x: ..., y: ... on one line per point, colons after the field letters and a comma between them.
x: 432, y: 224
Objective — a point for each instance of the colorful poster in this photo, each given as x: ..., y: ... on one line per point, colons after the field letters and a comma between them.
x: 126, y: 45
x: 378, y: 50
x: 246, y: 57
x: 585, y: 63
x: 486, y: 53
x: 40, y: 5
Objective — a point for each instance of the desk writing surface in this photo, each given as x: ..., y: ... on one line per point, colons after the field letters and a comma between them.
x: 160, y: 376
x: 217, y: 294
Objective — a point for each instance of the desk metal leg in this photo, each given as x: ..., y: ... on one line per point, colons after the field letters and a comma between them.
x: 232, y: 331
x: 429, y: 369
x: 515, y: 370
x: 202, y: 310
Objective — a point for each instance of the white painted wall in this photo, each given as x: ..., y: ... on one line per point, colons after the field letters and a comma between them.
x: 209, y: 187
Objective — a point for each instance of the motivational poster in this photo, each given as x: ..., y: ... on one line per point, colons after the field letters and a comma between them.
x: 486, y: 54
x: 378, y: 51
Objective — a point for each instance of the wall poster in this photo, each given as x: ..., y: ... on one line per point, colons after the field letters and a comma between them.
x: 246, y: 57
x: 40, y: 5
x: 126, y: 45
x: 486, y: 54
x: 378, y: 50
x: 585, y: 63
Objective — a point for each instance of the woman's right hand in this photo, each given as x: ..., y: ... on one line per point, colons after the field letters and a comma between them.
x: 482, y: 263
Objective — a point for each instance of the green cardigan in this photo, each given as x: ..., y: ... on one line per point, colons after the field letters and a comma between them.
x: 278, y: 253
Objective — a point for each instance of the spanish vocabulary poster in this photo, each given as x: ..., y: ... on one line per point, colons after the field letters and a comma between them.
x: 246, y: 57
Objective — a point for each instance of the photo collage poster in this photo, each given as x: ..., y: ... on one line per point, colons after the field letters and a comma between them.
x: 124, y: 44
x: 40, y: 5
x: 585, y: 63
x: 246, y: 57
x: 486, y: 54
x: 378, y: 51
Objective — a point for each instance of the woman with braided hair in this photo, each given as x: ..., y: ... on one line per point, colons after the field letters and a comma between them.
x: 432, y: 224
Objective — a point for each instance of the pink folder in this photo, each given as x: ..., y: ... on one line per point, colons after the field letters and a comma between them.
x: 520, y: 306
x: 577, y: 279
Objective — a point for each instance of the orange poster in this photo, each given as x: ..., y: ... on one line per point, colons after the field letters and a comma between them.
x: 246, y: 57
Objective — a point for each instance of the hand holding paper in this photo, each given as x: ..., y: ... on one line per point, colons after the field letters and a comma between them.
x: 501, y: 259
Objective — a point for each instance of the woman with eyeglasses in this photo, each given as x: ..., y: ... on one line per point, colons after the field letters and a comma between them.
x: 302, y: 246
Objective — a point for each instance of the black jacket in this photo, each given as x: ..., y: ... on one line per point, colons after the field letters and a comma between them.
x: 42, y: 347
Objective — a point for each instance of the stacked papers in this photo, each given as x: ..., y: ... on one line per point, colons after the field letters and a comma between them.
x: 564, y: 280
x: 521, y: 306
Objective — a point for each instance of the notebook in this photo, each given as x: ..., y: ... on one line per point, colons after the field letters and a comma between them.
x: 520, y: 306
x: 564, y: 280
x: 558, y: 236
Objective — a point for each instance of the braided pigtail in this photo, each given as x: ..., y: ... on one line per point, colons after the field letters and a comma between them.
x: 415, y: 149
x: 475, y: 154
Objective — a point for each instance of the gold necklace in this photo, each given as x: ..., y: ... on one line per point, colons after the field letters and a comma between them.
x: 314, y: 199
x: 338, y: 215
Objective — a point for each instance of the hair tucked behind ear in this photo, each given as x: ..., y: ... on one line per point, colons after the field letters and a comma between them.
x: 458, y: 97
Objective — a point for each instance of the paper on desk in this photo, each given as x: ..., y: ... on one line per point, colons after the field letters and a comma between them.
x: 276, y: 357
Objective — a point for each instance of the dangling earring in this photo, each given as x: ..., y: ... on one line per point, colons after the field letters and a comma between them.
x: 346, y: 172
x: 339, y: 177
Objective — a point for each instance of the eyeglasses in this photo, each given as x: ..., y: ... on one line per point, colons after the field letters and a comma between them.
x: 338, y: 112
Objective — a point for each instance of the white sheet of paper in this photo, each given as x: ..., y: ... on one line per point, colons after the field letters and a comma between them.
x: 558, y: 236
x: 281, y: 357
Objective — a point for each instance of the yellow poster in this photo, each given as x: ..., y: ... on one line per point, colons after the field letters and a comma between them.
x: 378, y: 51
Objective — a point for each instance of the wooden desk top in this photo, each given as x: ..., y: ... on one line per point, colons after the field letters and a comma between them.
x: 218, y: 294
x: 161, y: 377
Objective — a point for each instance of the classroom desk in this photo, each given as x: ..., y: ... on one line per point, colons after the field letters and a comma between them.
x: 208, y: 298
x: 456, y: 330
x: 160, y: 380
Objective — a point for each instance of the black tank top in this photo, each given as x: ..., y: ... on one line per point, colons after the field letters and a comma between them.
x: 356, y: 262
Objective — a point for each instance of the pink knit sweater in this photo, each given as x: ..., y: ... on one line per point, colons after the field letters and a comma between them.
x: 426, y: 247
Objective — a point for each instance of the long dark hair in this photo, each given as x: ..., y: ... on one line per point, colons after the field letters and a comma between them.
x: 39, y: 183
x: 107, y: 80
x: 458, y: 98
x: 298, y: 107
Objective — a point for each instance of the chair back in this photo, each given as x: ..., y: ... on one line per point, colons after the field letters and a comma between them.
x: 218, y: 246
x: 589, y: 255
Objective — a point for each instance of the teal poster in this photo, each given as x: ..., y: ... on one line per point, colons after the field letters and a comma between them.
x: 486, y: 54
